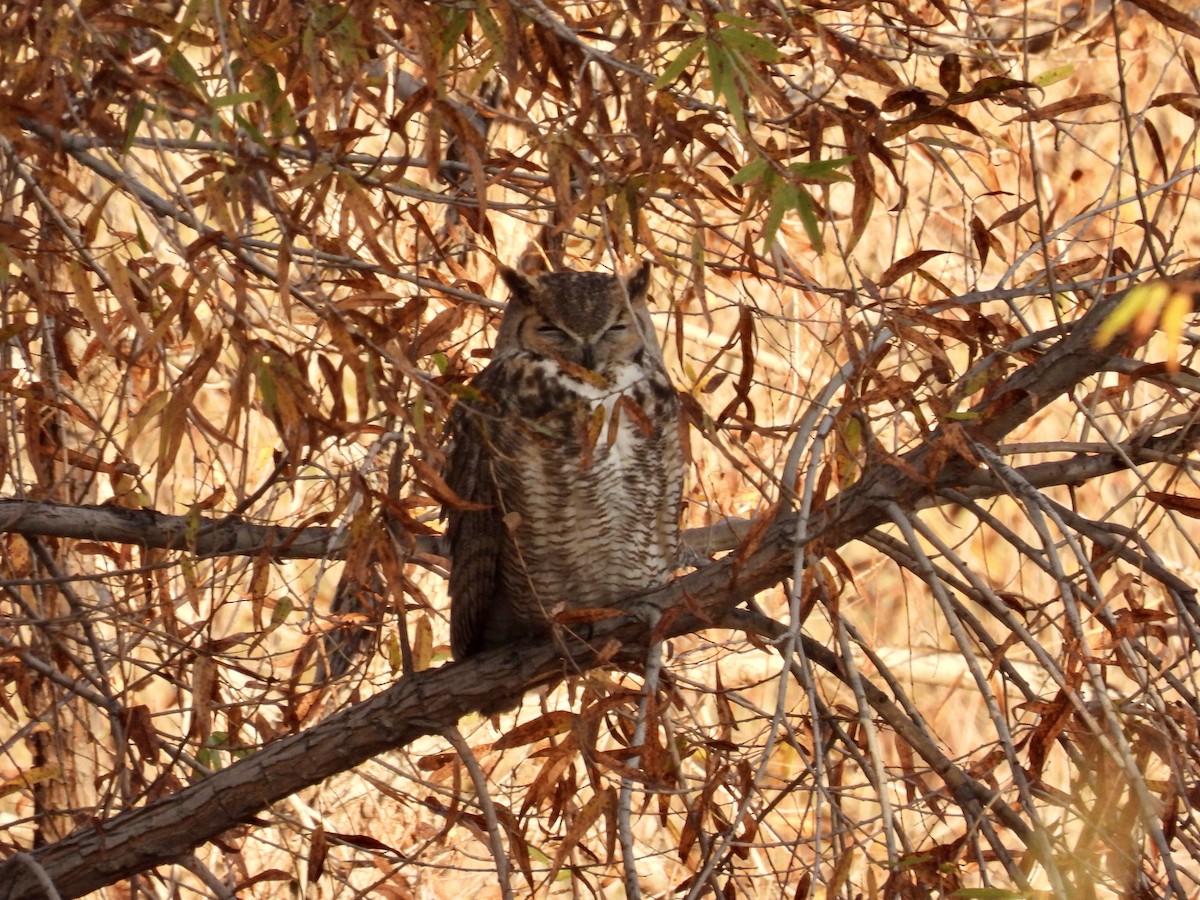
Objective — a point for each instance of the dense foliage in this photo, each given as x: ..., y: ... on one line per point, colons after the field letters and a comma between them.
x: 247, y: 263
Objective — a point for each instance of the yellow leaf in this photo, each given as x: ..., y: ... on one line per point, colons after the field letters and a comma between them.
x: 1163, y: 305
x: 28, y: 779
x: 1174, y: 315
x: 122, y: 289
x: 1133, y: 307
x: 422, y: 644
x: 281, y: 612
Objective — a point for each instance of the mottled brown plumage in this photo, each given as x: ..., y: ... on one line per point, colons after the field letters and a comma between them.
x: 570, y: 441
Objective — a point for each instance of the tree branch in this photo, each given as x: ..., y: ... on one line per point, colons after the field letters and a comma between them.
x: 231, y: 536
x: 429, y: 702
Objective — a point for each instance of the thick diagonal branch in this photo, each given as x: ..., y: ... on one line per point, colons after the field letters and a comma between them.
x: 430, y: 701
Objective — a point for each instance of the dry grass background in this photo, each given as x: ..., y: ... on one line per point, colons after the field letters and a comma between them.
x: 148, y: 362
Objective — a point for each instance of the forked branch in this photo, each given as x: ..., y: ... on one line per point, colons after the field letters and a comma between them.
x: 431, y: 701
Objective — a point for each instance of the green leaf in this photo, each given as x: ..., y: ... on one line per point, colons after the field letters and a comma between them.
x: 279, y: 108
x: 250, y: 129
x: 784, y: 198
x: 209, y: 758
x: 267, y: 390
x: 453, y: 30
x: 751, y: 44
x: 490, y: 28
x: 1050, y: 76
x: 754, y: 171
x: 675, y: 68
x: 280, y: 613
x: 185, y: 74
x: 736, y: 21
x: 143, y: 244
x: 132, y: 121
x: 823, y: 170
x: 235, y: 99
x: 724, y: 81
x: 807, y: 211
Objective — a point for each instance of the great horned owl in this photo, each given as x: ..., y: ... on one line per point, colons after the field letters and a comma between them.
x: 567, y: 448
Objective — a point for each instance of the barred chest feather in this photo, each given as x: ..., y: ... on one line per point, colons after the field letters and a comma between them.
x: 569, y: 455
x: 590, y: 476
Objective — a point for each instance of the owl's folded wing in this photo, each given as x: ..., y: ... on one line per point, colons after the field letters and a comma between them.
x: 474, y: 536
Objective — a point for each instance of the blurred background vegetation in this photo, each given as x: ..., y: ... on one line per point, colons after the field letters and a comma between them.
x: 247, y: 260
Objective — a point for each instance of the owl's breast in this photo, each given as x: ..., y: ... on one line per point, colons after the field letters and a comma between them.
x: 566, y: 405
x: 590, y: 480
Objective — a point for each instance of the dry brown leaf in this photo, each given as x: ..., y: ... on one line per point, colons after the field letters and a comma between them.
x: 544, y: 726
x: 1069, y: 105
x: 1173, y: 18
x: 907, y: 265
x: 1188, y: 506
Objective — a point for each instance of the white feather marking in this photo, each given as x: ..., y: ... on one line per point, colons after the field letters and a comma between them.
x: 621, y: 377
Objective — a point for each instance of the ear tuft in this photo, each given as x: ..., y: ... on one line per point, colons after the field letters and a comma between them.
x: 638, y: 281
x: 519, y: 283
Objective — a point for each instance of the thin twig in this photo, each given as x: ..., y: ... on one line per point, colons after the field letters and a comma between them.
x: 486, y: 806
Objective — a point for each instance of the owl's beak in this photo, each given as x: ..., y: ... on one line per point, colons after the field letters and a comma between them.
x: 589, y: 356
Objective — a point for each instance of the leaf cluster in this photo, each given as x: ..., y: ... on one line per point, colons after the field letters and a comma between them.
x: 922, y: 281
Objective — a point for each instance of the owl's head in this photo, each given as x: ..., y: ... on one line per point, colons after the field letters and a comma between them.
x: 587, y: 318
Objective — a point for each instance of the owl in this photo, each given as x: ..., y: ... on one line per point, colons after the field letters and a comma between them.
x: 567, y: 449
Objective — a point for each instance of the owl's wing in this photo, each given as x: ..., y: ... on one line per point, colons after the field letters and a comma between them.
x: 474, y: 536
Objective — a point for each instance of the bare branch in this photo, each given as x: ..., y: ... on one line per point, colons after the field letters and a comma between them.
x: 432, y: 701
